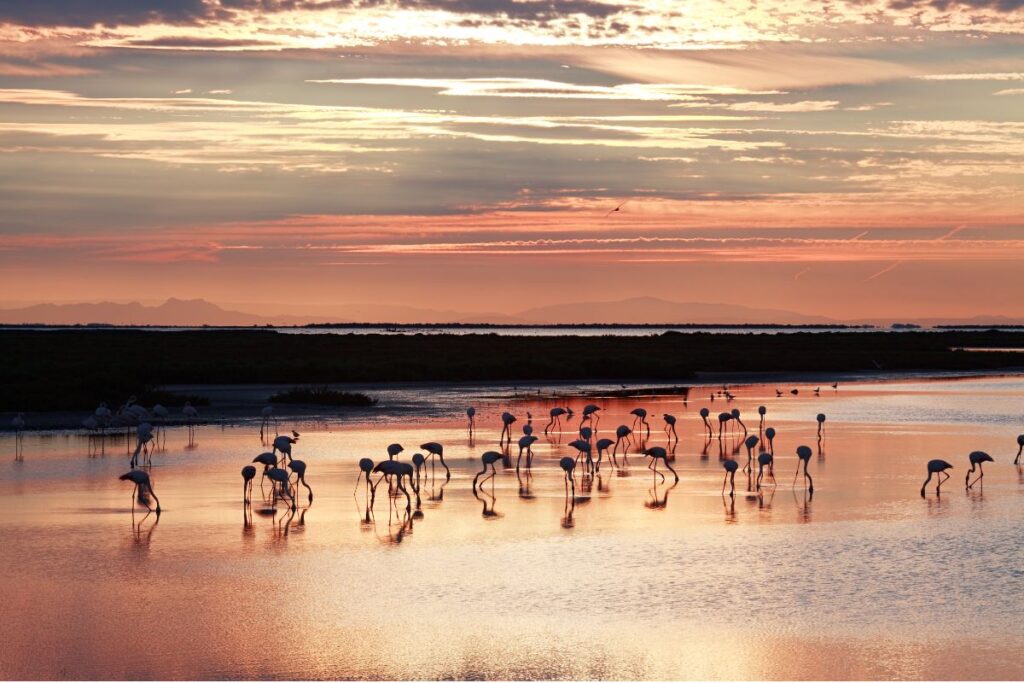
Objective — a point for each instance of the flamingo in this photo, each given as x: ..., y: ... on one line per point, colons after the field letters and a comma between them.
x: 248, y: 474
x: 556, y: 419
x: 804, y: 454
x: 527, y: 429
x: 281, y: 482
x: 586, y: 433
x: 704, y: 412
x: 471, y: 416
x: 602, y: 447
x: 657, y: 453
x: 568, y: 466
x: 1020, y: 447
x: 621, y: 433
x: 764, y: 458
x: 487, y: 460
x: 144, y: 435
x: 976, y: 458
x: 938, y: 468
x: 583, y: 451
x: 284, y: 444
x: 394, y: 449
x: 525, y: 443
x: 730, y: 466
x: 299, y: 468
x: 365, y: 468
x: 418, y: 462
x: 670, y: 426
x: 821, y: 422
x: 770, y: 435
x: 762, y: 411
x: 736, y: 416
x: 268, y: 460
x: 750, y: 442
x: 723, y: 419
x: 437, y: 450
x: 392, y: 468
x: 641, y: 418
x: 507, y: 419
x: 191, y: 415
x: 590, y: 414
x: 268, y: 415
x: 143, y: 486
x: 18, y: 423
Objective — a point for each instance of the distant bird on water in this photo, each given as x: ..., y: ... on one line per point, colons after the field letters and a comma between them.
x: 937, y: 468
x: 976, y: 458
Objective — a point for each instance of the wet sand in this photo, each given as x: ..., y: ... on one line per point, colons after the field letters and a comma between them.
x: 864, y: 579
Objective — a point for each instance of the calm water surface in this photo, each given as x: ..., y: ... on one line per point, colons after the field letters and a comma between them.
x: 632, y: 579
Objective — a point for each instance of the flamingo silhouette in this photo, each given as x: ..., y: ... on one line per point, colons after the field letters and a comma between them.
x: 1020, y: 447
x: 590, y: 415
x: 821, y: 422
x: 938, y: 468
x: 602, y: 447
x: 525, y: 443
x: 506, y: 420
x: 730, y: 467
x: 976, y: 458
x: 268, y: 460
x: 556, y: 418
x: 641, y: 419
x: 704, y: 412
x: 762, y: 411
x: 268, y: 414
x: 365, y: 468
x: 723, y: 419
x: 770, y: 435
x: 279, y: 478
x: 284, y: 444
x: 471, y: 416
x: 191, y: 415
x: 804, y: 454
x: 299, y: 468
x: 750, y: 442
x: 568, y: 466
x: 437, y: 450
x: 487, y: 460
x: 736, y: 416
x: 143, y: 436
x: 621, y: 433
x: 764, y: 459
x: 657, y: 453
x: 143, y: 486
x: 670, y: 426
x: 248, y: 474
x: 392, y: 470
x: 583, y: 451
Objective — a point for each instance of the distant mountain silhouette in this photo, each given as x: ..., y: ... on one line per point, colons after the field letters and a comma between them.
x: 638, y: 310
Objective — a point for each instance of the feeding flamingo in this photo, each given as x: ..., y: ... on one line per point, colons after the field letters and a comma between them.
x: 471, y: 416
x: 657, y: 453
x: 284, y: 444
x: 487, y: 460
x: 1020, y: 447
x: 730, y: 467
x: 704, y: 412
x: 526, y: 442
x: 736, y: 416
x: 621, y: 433
x: 723, y: 419
x: 556, y: 419
x: 143, y: 486
x: 976, y: 458
x: 299, y: 468
x: 764, y: 459
x: 248, y: 474
x: 804, y: 454
x: 437, y: 450
x: 821, y: 422
x: 641, y: 419
x: 762, y: 411
x: 938, y: 468
x: 568, y: 466
x: 590, y: 414
x: 365, y: 468
x: 602, y: 447
x: 670, y: 426
x: 770, y: 435
x: 507, y: 419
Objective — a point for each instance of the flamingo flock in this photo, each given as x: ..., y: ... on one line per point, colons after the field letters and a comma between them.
x: 287, y: 475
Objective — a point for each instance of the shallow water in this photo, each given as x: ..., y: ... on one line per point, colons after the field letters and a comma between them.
x: 864, y: 579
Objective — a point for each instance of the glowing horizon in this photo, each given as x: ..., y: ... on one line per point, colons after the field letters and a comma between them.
x: 861, y: 160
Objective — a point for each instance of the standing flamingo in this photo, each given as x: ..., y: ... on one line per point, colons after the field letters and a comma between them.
x: 736, y: 416
x: 723, y: 419
x: 804, y: 454
x: 507, y: 419
x: 938, y: 468
x: 568, y: 466
x: 526, y: 442
x: 191, y: 415
x: 487, y: 460
x: 143, y: 437
x: 657, y: 453
x: 764, y: 459
x: 267, y: 414
x: 556, y: 419
x: 704, y: 412
x: 299, y: 468
x: 471, y: 416
x: 248, y: 474
x: 143, y: 486
x: 821, y: 422
x: 284, y: 444
x: 436, y: 450
x: 976, y: 458
x: 641, y: 419
x: 730, y: 467
x: 670, y: 426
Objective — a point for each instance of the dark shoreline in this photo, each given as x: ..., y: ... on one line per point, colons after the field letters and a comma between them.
x: 75, y: 370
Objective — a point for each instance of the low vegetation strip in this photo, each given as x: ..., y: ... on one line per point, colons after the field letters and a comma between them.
x: 74, y: 369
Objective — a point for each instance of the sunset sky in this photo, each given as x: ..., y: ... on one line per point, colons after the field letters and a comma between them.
x: 850, y: 158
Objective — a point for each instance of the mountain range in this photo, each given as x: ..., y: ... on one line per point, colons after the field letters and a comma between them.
x: 638, y: 310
